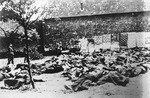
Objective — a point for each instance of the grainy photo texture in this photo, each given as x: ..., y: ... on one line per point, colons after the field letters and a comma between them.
x: 74, y: 48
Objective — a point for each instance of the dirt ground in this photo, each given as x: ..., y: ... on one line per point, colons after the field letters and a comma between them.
x: 53, y: 87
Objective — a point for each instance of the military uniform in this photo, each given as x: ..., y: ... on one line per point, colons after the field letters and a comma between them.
x: 25, y: 55
x: 83, y: 82
x: 10, y: 55
x: 114, y: 77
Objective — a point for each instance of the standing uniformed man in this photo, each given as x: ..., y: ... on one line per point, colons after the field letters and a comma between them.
x: 25, y: 54
x: 10, y: 54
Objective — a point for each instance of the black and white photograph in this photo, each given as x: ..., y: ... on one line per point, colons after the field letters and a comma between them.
x: 74, y: 48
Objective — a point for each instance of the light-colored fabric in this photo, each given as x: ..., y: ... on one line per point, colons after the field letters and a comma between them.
x: 106, y: 38
x: 123, y: 39
x: 132, y: 40
x: 115, y: 46
x: 83, y: 44
x: 91, y: 47
x: 106, y: 41
x: 147, y: 39
x: 140, y: 39
x: 143, y: 39
x: 97, y: 47
x: 106, y: 46
x: 97, y: 40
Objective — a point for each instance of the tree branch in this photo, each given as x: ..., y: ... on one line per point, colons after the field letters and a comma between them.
x: 16, y: 29
x: 4, y: 31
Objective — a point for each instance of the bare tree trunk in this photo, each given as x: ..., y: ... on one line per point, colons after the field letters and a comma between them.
x: 28, y: 60
x: 41, y: 33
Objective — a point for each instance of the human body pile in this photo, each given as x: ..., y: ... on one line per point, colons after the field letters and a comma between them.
x: 85, y: 69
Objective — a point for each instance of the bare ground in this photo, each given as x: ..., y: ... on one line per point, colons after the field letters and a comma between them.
x: 53, y: 87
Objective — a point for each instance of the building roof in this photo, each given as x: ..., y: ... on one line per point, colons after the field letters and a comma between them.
x: 98, y: 15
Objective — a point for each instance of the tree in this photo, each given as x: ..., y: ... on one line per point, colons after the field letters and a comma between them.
x: 25, y: 13
x: 12, y: 32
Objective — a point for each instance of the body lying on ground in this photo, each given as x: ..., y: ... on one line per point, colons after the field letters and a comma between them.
x: 88, y: 69
x: 101, y: 77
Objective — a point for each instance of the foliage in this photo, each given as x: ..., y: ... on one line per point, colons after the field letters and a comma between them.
x: 21, y: 11
x: 64, y: 30
x: 9, y: 26
x: 35, y: 55
x: 11, y: 32
x: 25, y: 13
